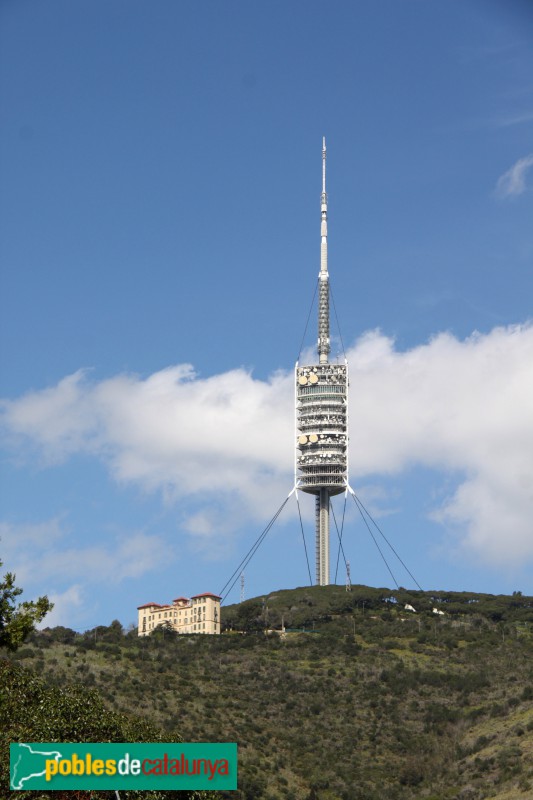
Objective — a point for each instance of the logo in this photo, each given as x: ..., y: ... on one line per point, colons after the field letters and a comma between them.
x: 123, y: 766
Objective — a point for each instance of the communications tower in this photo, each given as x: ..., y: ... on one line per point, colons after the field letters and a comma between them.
x: 321, y: 459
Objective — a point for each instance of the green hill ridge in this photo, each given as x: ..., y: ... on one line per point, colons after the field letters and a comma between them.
x: 332, y: 695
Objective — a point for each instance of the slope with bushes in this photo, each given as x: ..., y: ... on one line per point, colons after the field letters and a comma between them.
x: 358, y: 698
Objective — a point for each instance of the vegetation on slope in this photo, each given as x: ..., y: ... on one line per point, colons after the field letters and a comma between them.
x: 30, y: 711
x: 368, y: 701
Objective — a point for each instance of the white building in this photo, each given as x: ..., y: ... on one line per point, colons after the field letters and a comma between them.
x: 200, y: 614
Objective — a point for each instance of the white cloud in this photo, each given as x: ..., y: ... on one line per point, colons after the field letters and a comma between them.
x: 40, y: 553
x: 459, y: 407
x: 29, y: 535
x: 66, y: 606
x: 173, y: 431
x: 57, y: 419
x: 515, y: 119
x: 513, y: 182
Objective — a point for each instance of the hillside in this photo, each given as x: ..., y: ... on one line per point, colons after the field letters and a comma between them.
x: 359, y: 699
x: 30, y: 711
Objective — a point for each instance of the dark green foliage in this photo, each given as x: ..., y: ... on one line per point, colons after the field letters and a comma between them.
x: 18, y: 620
x: 31, y: 711
x: 247, y: 616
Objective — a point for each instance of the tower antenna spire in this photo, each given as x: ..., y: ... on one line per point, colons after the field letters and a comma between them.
x: 324, y: 169
x: 323, y: 302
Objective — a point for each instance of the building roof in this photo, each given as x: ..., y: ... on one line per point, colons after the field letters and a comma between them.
x: 178, y: 599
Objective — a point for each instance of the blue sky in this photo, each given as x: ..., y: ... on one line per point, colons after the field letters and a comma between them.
x: 159, y: 211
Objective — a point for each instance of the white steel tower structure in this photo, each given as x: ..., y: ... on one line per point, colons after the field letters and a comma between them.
x: 321, y: 462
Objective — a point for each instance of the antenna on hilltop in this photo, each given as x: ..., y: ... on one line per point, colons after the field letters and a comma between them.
x: 321, y: 465
x: 321, y: 458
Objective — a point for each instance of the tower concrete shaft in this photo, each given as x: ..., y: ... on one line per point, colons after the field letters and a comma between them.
x: 322, y: 413
x: 322, y: 537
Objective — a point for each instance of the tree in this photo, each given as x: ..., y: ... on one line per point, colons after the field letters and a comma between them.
x: 31, y: 711
x: 17, y: 621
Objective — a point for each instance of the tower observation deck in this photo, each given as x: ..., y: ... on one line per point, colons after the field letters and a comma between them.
x: 321, y: 460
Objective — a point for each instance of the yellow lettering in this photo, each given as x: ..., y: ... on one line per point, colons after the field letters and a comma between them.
x: 98, y: 766
x: 78, y: 765
x: 51, y: 768
x: 110, y: 766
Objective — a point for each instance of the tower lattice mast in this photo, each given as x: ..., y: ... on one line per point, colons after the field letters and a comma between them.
x: 322, y: 412
x: 323, y: 302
